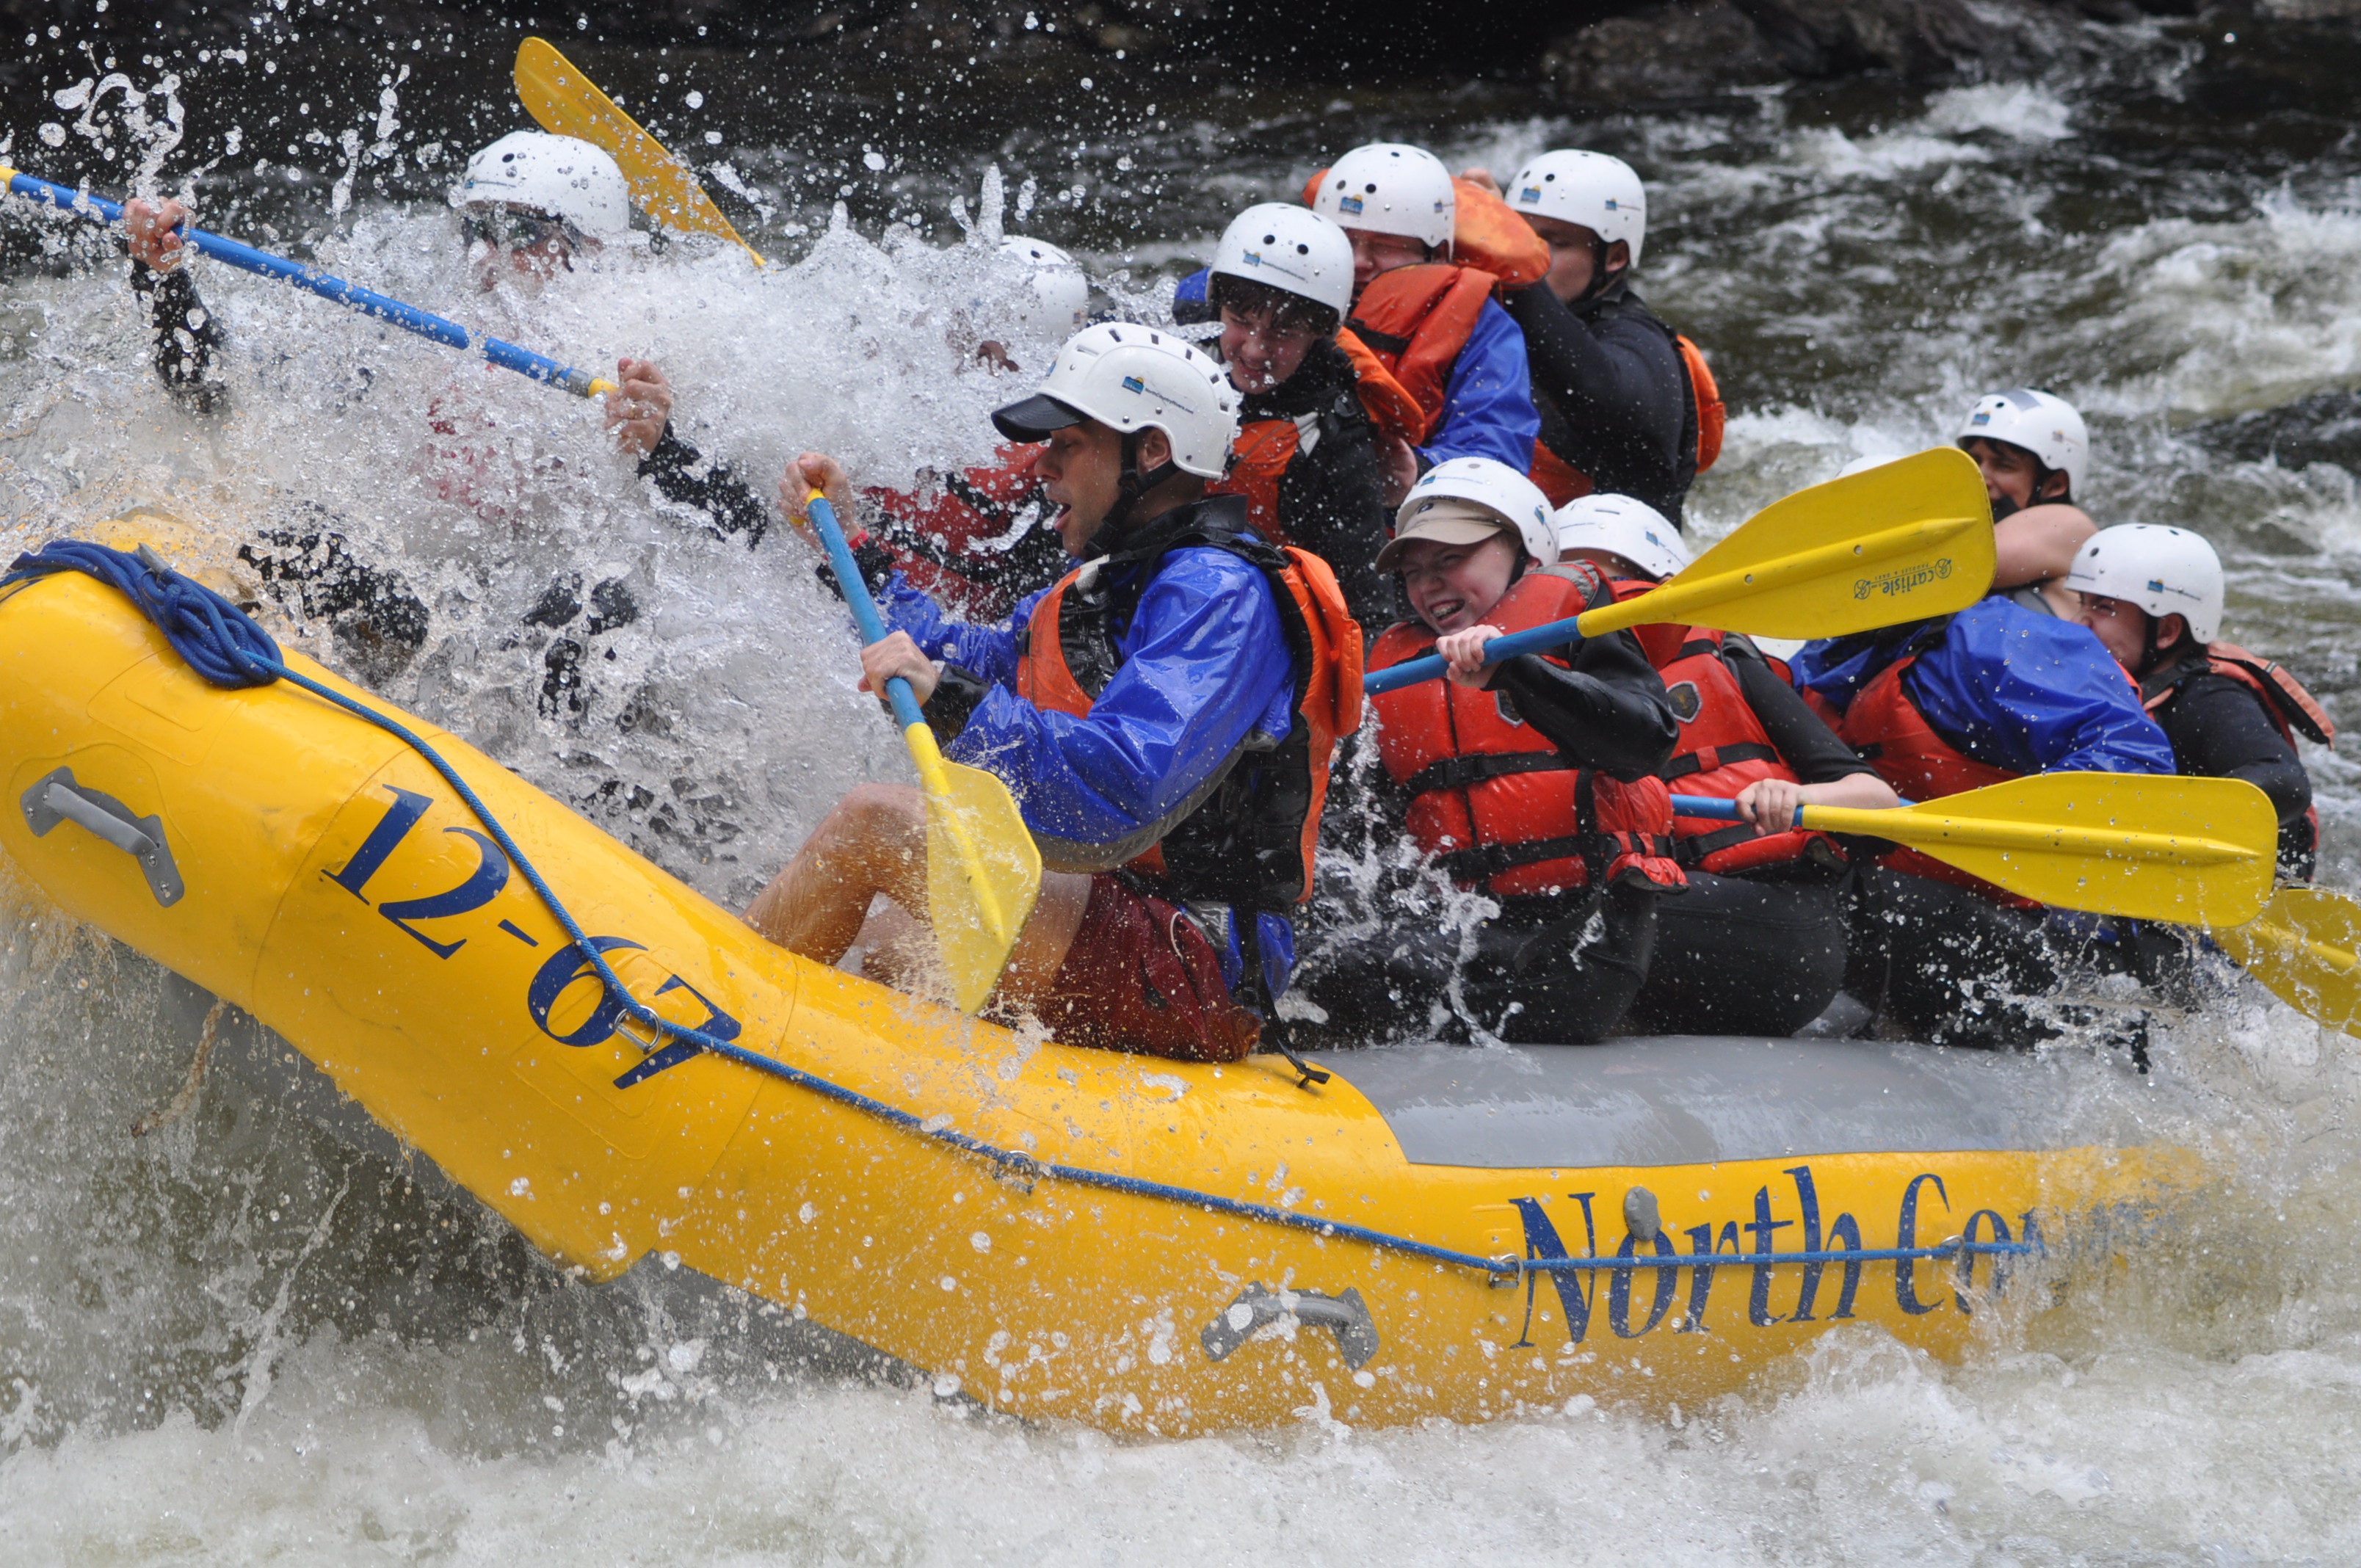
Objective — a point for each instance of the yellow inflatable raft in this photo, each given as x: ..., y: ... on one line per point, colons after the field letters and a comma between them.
x: 1153, y: 1247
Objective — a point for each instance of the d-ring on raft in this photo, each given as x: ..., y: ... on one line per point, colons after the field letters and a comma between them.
x: 1142, y: 1245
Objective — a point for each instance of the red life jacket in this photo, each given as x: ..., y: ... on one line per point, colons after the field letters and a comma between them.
x: 1414, y: 320
x: 1250, y: 840
x: 1723, y: 747
x: 968, y: 539
x: 2291, y: 708
x: 1493, y: 800
x: 1561, y: 481
x: 1891, y: 736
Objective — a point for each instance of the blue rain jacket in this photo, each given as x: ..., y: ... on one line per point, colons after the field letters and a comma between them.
x: 1488, y: 404
x: 2009, y: 687
x: 1204, y: 667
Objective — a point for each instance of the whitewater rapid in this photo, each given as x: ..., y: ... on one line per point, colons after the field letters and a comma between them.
x: 241, y: 1339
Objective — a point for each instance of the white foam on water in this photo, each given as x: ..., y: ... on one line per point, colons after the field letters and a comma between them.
x: 239, y: 1340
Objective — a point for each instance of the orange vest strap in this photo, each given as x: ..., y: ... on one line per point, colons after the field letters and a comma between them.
x: 1259, y: 459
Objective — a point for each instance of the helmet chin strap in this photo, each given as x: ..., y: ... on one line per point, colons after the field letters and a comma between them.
x: 1130, y: 490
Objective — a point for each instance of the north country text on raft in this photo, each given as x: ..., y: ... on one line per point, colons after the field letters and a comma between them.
x: 1894, y: 585
x: 1837, y: 1245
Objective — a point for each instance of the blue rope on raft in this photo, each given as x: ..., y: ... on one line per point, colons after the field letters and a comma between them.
x: 222, y: 643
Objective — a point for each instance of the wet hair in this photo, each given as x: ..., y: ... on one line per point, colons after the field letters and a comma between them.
x: 1289, y: 312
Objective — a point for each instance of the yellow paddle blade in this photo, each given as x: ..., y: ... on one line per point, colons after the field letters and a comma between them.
x: 984, y: 871
x: 2305, y: 946
x: 2147, y: 847
x: 569, y: 104
x: 1906, y: 541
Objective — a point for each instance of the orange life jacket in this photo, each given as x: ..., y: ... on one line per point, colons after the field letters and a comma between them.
x: 1414, y: 320
x: 2291, y: 708
x: 1391, y: 406
x: 1891, y: 735
x: 1250, y: 840
x: 1259, y: 460
x: 1723, y: 747
x: 1561, y: 481
x: 1493, y: 799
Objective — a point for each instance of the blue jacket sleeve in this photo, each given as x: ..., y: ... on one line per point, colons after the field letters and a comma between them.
x: 1487, y: 406
x: 2034, y: 695
x: 1204, y: 667
x: 989, y: 651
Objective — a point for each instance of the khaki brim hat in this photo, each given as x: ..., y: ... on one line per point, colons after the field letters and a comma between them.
x: 1444, y: 520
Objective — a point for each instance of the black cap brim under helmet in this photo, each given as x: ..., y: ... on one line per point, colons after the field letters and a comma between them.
x: 1033, y: 417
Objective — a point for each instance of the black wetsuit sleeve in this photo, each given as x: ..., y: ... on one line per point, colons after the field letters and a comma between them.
x: 2218, y: 729
x: 1331, y: 502
x: 1618, y: 387
x: 682, y: 475
x: 1804, y: 742
x: 186, y: 335
x: 1608, y: 711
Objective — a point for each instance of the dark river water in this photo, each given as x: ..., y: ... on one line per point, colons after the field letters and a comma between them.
x: 241, y: 1340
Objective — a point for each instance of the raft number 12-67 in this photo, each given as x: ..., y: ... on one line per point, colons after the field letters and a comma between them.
x: 562, y: 967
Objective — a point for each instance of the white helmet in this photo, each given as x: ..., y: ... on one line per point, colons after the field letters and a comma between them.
x: 1621, y: 526
x: 1059, y: 299
x: 2042, y: 422
x: 1479, y: 482
x: 2164, y: 571
x: 1132, y: 378
x: 558, y: 175
x: 1301, y: 253
x: 1388, y: 188
x: 1600, y: 193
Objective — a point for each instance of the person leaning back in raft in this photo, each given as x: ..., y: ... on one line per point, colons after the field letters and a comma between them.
x: 1531, y: 780
x: 1163, y: 715
x: 1940, y: 707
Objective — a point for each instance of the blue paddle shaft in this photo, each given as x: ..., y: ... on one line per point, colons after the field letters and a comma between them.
x: 409, y: 318
x: 864, y: 609
x: 1409, y: 672
x: 1720, y: 810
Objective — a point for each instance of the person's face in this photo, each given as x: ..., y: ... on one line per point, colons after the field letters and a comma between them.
x: 2009, y: 470
x: 1081, y: 469
x: 520, y: 245
x: 1374, y: 253
x: 1455, y: 587
x: 2121, y: 628
x: 1260, y: 354
x: 1574, y: 256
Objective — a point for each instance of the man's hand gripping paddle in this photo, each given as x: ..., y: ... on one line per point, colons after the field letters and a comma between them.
x: 984, y: 871
x: 1906, y: 541
x: 409, y: 318
x: 2191, y: 851
x: 555, y: 93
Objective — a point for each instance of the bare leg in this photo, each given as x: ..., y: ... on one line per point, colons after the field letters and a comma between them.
x: 875, y: 841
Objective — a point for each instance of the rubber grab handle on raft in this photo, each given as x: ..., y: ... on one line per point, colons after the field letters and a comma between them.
x: 1409, y: 672
x: 409, y: 318
x: 56, y: 798
x: 1345, y: 1313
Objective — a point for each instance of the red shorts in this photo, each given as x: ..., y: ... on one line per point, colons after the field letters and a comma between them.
x: 1142, y: 977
